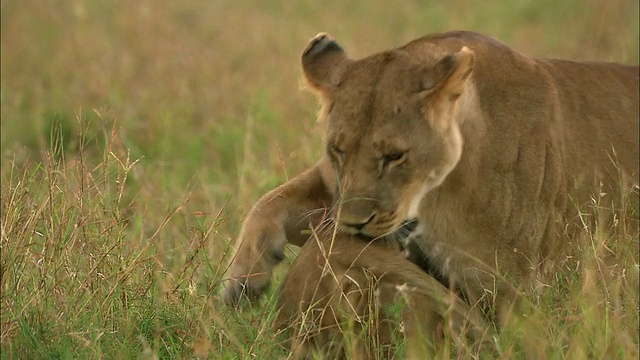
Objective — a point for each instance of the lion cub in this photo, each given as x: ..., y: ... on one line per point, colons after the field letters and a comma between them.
x: 345, y: 295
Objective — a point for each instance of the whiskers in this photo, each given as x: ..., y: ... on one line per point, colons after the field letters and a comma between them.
x: 323, y: 220
x: 325, y: 223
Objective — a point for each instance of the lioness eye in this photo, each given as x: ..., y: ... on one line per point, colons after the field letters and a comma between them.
x: 395, y: 156
x: 336, y: 151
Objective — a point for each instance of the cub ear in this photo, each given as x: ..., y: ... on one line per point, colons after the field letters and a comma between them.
x: 448, y: 76
x: 323, y: 62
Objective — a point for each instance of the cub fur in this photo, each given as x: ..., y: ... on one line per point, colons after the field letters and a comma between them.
x: 340, y: 294
x: 497, y: 155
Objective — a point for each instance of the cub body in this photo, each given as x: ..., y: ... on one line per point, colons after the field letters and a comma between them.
x: 345, y: 296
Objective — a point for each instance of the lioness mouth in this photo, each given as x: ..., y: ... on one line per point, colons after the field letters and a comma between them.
x: 400, y: 234
x: 404, y: 236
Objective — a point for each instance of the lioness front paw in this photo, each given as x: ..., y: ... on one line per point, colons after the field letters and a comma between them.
x: 260, y: 248
x: 245, y: 282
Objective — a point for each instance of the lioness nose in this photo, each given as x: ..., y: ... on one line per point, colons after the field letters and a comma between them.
x: 358, y: 225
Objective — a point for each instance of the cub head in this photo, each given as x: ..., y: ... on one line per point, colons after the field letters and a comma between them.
x: 392, y: 129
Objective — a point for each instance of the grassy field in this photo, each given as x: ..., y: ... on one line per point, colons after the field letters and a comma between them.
x: 136, y: 135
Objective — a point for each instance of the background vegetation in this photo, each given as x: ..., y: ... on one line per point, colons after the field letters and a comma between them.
x: 136, y: 135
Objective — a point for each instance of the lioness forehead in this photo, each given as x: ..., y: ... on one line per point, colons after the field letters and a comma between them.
x: 376, y: 98
x: 389, y: 71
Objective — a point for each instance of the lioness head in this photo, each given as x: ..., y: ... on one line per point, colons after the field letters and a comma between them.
x: 392, y: 129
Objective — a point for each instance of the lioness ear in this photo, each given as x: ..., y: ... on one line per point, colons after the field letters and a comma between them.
x: 449, y: 74
x: 323, y: 63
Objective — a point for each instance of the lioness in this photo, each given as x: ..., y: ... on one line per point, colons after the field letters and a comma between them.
x: 496, y: 154
x: 341, y: 297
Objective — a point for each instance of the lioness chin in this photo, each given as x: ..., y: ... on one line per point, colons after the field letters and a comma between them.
x: 345, y: 297
x: 497, y: 155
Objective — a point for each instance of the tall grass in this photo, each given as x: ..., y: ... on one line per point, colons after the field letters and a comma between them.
x: 87, y: 274
x: 135, y: 136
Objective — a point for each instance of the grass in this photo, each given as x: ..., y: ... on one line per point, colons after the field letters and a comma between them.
x: 135, y: 136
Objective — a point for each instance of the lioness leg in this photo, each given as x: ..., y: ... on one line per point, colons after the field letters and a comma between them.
x: 277, y: 218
